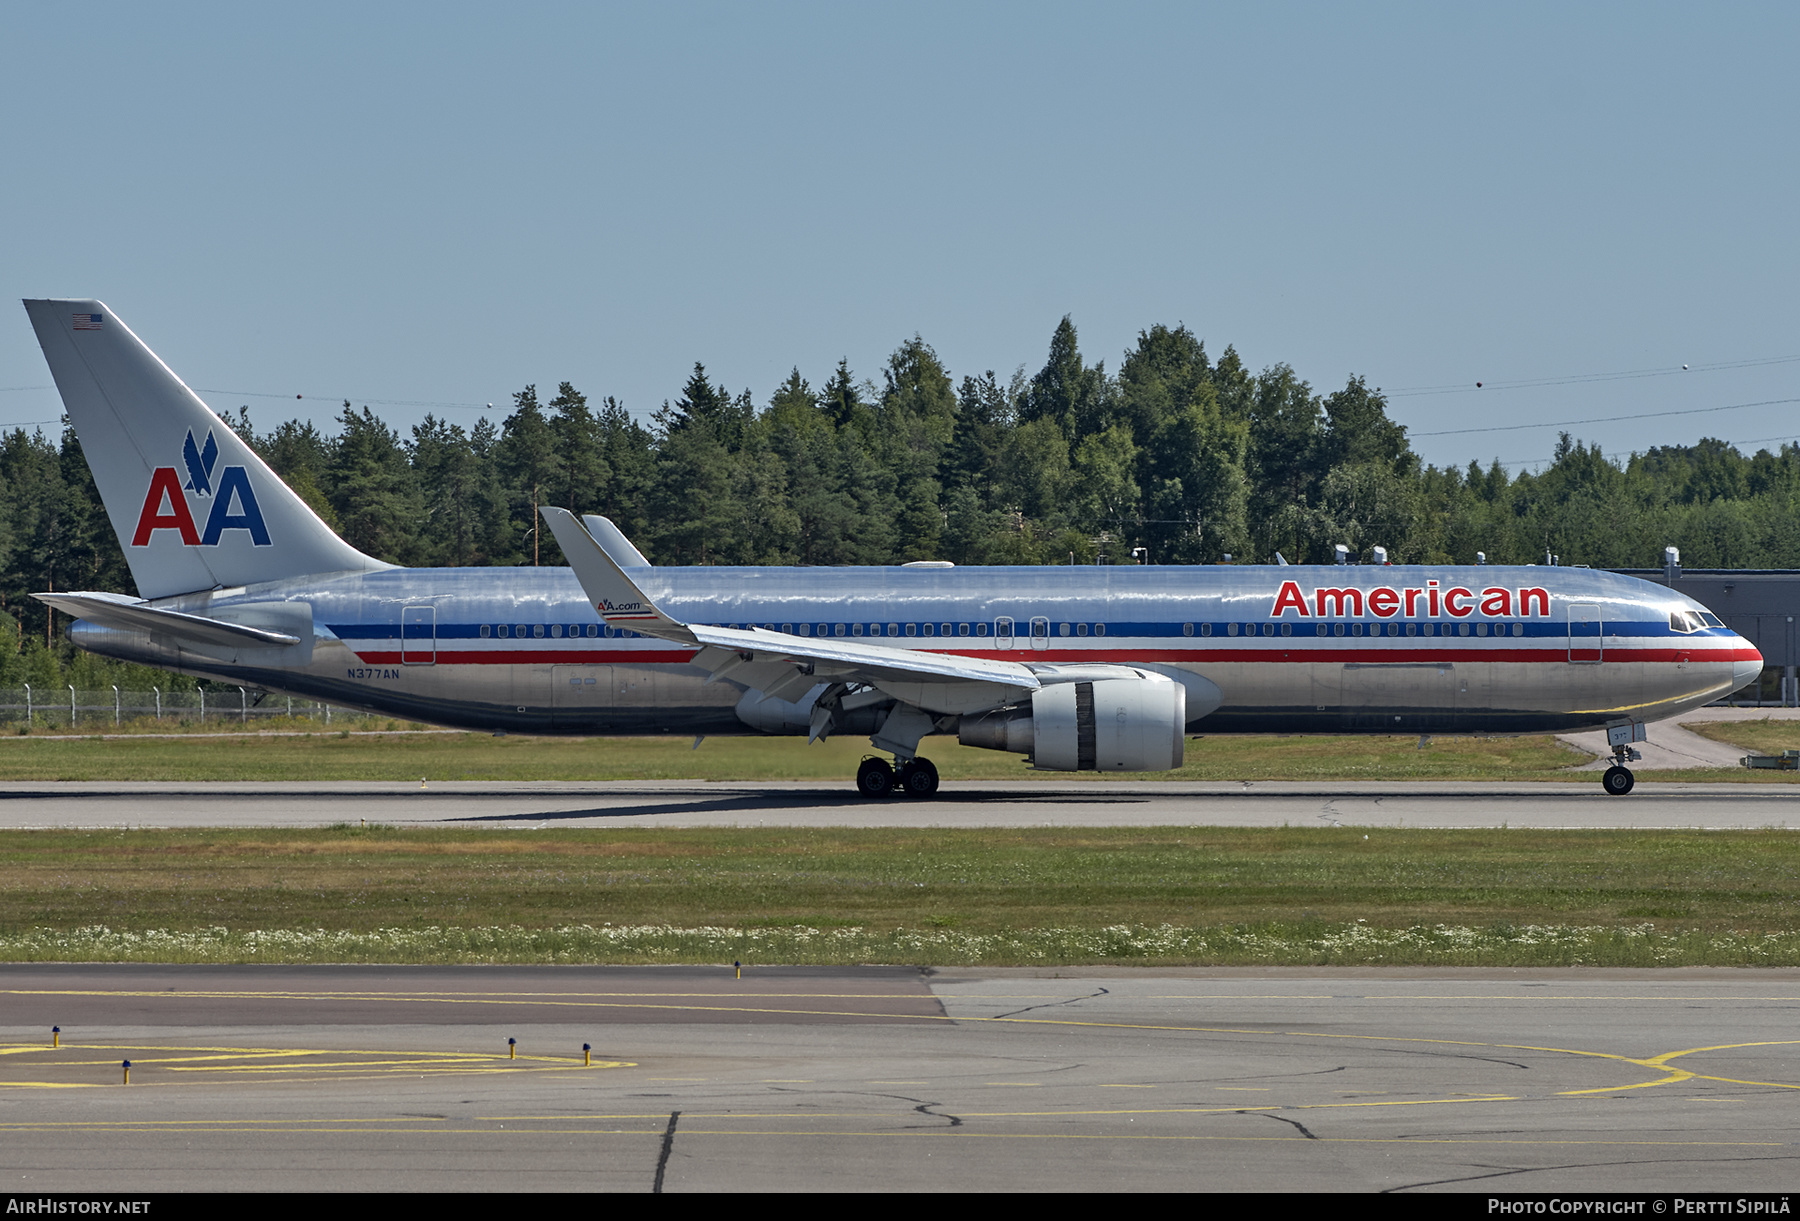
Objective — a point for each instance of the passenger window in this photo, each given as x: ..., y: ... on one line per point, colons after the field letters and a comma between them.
x: 912, y: 629
x: 537, y: 630
x: 981, y: 629
x: 1287, y: 629
x: 1003, y: 628
x: 962, y: 629
x: 839, y: 630
x: 856, y: 629
x: 556, y: 630
x: 1268, y: 629
x: 1518, y: 629
x: 1062, y: 629
x: 1099, y: 629
x: 929, y: 627
x: 1187, y: 629
x: 1205, y: 629
x: 1231, y: 629
x: 486, y: 631
x: 1081, y: 629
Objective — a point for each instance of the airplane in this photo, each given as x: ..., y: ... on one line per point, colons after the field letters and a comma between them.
x: 1085, y: 668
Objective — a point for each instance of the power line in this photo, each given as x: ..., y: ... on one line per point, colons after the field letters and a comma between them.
x: 261, y: 394
x: 1575, y: 379
x: 1605, y: 419
x: 264, y: 394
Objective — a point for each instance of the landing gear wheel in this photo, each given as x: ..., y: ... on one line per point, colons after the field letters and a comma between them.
x: 874, y: 778
x: 918, y: 778
x: 1618, y: 780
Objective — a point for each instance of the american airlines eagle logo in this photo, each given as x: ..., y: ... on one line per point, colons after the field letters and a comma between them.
x: 167, y: 505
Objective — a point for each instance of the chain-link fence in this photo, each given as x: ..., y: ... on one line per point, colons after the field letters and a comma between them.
x: 71, y: 707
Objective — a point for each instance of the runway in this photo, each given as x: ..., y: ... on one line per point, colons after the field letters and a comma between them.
x: 399, y: 1079
x: 1109, y: 803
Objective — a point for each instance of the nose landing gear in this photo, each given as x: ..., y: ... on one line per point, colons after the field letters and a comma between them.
x: 916, y: 777
x: 1618, y: 779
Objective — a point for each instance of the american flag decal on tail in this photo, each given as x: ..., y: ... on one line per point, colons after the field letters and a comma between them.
x: 87, y: 322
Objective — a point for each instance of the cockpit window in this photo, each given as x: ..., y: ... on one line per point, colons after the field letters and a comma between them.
x: 1685, y: 621
x: 1712, y: 620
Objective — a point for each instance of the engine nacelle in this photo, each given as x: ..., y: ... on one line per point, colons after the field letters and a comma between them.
x: 1113, y: 725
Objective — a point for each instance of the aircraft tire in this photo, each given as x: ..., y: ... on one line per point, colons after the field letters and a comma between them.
x: 919, y: 778
x: 1618, y: 780
x: 874, y: 778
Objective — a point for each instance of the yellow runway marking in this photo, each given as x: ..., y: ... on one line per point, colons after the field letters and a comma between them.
x: 961, y: 1134
x: 1671, y: 1075
x: 203, y: 1064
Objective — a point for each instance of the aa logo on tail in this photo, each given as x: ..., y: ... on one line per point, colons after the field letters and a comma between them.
x: 166, y: 504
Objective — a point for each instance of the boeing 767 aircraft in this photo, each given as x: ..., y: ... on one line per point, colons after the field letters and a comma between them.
x: 1087, y: 668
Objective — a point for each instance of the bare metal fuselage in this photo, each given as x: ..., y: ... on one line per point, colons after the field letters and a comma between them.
x: 523, y: 650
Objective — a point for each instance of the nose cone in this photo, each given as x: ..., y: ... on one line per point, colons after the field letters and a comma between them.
x: 1746, y: 664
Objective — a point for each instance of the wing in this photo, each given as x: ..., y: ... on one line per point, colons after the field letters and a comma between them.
x: 786, y: 666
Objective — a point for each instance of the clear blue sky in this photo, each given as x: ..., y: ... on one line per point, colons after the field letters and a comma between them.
x: 439, y: 203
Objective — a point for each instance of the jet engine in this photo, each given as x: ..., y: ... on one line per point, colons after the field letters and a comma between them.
x: 1111, y: 725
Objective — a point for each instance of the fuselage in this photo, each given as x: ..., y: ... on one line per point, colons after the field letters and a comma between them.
x: 1483, y: 649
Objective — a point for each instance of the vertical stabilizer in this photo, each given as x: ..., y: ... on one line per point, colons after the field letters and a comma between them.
x: 193, y: 506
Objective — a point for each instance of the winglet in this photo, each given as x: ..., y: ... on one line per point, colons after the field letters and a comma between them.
x: 615, y: 595
x: 612, y: 540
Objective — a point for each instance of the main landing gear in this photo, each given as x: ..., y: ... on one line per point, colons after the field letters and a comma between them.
x: 915, y: 778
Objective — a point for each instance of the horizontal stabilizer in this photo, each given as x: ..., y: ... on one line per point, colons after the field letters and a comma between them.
x: 136, y: 615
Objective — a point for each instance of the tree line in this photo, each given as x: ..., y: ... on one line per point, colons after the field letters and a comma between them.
x: 1175, y: 458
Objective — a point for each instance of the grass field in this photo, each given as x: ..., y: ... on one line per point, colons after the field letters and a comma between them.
x: 1170, y: 895
x: 402, y: 755
x: 1765, y: 737
x: 409, y: 756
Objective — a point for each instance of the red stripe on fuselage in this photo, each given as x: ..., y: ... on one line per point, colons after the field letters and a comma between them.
x: 1270, y: 654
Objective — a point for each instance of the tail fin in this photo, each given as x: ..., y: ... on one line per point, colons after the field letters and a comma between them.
x: 193, y: 506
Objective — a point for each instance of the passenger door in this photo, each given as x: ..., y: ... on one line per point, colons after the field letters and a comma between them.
x: 418, y: 636
x: 1585, y: 645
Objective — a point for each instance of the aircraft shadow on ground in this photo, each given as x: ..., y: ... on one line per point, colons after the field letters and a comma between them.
x: 790, y: 801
